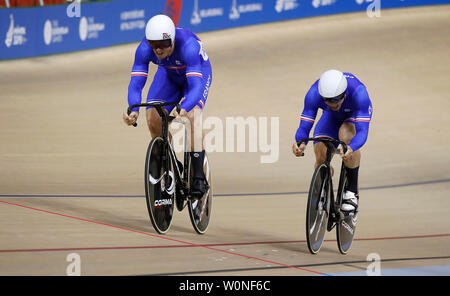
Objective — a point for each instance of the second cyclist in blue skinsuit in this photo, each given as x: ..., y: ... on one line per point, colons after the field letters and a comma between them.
x: 184, y: 71
x: 347, y: 112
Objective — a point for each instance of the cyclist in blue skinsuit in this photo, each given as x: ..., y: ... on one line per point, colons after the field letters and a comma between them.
x: 184, y: 71
x: 347, y: 111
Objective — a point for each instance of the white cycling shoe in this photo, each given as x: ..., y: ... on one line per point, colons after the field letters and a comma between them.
x: 349, y: 201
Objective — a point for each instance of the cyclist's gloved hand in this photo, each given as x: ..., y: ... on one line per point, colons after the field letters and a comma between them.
x: 298, y: 150
x: 130, y: 119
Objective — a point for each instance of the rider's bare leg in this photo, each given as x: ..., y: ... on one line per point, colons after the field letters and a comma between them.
x: 197, y: 151
x: 346, y: 133
x: 320, y: 150
x: 154, y: 122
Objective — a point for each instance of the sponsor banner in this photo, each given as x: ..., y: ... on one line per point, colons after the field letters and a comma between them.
x: 208, y: 15
x: 27, y: 32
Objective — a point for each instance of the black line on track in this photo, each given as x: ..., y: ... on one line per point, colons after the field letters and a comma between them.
x: 299, y: 266
x: 226, y: 194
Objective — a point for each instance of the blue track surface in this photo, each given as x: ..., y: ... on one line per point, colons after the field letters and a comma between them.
x: 438, y: 270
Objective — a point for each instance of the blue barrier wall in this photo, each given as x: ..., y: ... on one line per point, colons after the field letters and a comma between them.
x: 202, y: 15
x: 27, y: 32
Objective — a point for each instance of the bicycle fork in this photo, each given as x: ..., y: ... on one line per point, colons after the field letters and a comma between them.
x: 333, y: 211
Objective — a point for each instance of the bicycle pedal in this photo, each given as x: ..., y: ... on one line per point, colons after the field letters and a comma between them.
x: 346, y: 214
x: 180, y: 204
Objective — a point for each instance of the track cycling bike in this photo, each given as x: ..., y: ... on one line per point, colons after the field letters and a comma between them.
x: 168, y: 180
x: 323, y: 208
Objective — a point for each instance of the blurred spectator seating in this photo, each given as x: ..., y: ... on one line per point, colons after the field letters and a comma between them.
x: 23, y: 3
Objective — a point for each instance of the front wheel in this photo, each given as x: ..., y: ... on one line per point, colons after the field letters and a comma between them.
x: 200, y: 209
x: 159, y: 185
x: 318, y: 209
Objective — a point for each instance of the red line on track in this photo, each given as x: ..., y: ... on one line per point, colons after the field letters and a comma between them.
x: 158, y: 236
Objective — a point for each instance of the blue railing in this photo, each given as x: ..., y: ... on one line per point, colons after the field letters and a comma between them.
x: 28, y: 32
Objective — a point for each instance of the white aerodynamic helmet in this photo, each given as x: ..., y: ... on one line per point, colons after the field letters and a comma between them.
x: 332, y: 85
x: 160, y: 27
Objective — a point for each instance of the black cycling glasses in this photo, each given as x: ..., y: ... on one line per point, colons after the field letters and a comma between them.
x: 336, y: 99
x: 160, y: 43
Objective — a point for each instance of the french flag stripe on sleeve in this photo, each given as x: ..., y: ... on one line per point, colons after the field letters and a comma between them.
x: 364, y: 119
x: 307, y: 118
x: 139, y: 73
x: 194, y: 74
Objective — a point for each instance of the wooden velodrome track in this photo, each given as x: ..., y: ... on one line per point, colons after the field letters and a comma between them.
x: 71, y: 176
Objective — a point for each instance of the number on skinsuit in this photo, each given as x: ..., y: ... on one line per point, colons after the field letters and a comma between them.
x: 202, y: 51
